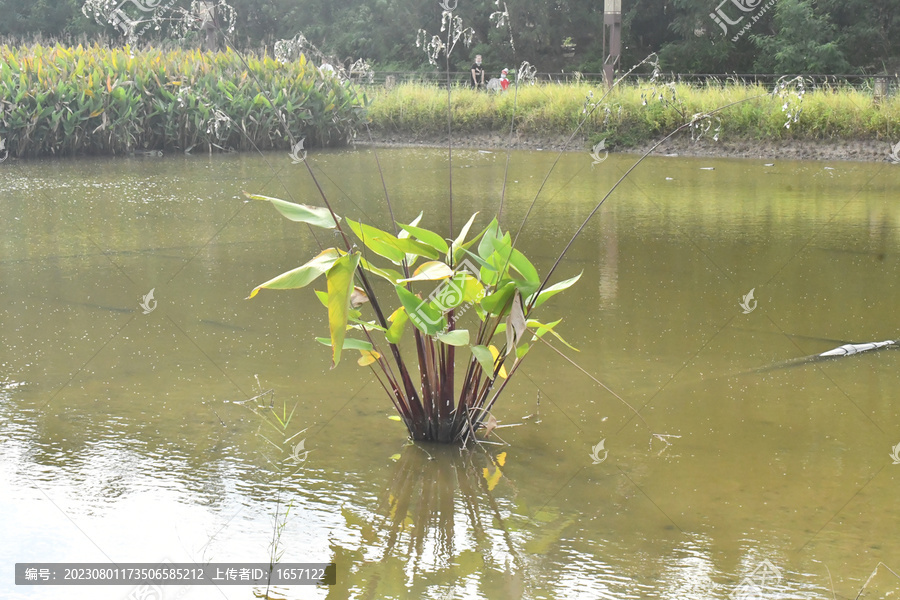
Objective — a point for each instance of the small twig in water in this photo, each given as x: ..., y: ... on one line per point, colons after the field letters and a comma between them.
x: 872, y: 576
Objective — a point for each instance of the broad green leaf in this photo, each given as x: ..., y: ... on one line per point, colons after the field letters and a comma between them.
x: 473, y: 291
x: 425, y: 317
x: 427, y: 237
x: 497, y: 302
x: 374, y: 240
x: 484, y: 357
x: 301, y: 276
x: 457, y: 337
x: 486, y: 245
x: 430, y: 271
x: 398, y: 324
x: 349, y: 344
x: 517, y: 260
x: 413, y: 247
x: 340, y: 286
x: 389, y: 274
x: 323, y: 298
x: 405, y: 234
x: 301, y: 213
x: 551, y: 291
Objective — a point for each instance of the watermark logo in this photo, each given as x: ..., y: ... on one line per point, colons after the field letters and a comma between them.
x: 596, y: 450
x: 895, y: 454
x: 445, y: 4
x: 149, y: 591
x: 746, y: 302
x: 596, y: 150
x: 447, y: 296
x: 753, y: 585
x: 146, y: 592
x: 4, y: 153
x: 120, y: 19
x: 299, y: 453
x: 124, y: 18
x: 894, y: 155
x: 298, y: 154
x: 721, y: 18
x: 148, y: 303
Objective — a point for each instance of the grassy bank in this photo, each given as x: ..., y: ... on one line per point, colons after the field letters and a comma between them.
x: 636, y: 114
x: 65, y: 101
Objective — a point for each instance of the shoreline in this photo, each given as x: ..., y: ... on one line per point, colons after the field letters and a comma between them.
x: 836, y: 150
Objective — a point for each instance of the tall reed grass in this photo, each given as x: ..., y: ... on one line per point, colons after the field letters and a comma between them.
x: 635, y: 114
x: 92, y: 100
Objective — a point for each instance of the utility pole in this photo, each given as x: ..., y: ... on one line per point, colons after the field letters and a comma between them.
x: 612, y: 20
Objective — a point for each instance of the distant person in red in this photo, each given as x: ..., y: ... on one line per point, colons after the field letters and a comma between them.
x: 504, y: 82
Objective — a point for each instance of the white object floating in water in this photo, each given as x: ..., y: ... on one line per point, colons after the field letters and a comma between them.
x: 707, y: 168
x: 669, y: 179
x: 672, y: 155
x: 769, y: 165
x: 485, y: 152
x: 848, y: 349
x: 829, y: 168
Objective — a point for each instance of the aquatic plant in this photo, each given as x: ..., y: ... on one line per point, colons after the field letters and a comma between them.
x: 493, y: 278
x: 94, y: 100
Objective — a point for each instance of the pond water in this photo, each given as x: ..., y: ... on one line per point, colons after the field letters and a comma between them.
x: 126, y: 434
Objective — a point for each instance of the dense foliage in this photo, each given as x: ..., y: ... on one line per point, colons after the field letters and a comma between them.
x: 792, y: 36
x: 64, y: 101
x: 636, y: 114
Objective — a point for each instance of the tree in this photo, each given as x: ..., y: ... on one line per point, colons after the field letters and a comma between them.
x: 804, y: 41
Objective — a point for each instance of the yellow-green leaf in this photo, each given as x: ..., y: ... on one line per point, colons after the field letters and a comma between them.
x: 430, y: 271
x: 367, y: 357
x: 377, y: 241
x: 340, y: 286
x: 301, y: 213
x: 303, y: 275
x: 551, y: 291
x: 398, y: 324
x: 389, y: 274
x: 349, y: 344
x: 427, y: 237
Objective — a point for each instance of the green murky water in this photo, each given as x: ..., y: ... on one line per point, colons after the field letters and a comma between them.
x: 126, y: 437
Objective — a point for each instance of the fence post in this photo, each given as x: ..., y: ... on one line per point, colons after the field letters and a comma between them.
x: 879, y: 90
